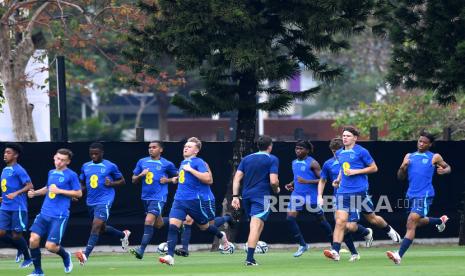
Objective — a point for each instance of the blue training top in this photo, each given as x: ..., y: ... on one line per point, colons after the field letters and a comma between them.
x: 152, y: 189
x: 420, y: 175
x: 189, y: 186
x: 257, y: 168
x: 303, y: 169
x: 330, y: 171
x: 57, y: 206
x: 14, y: 178
x: 356, y: 158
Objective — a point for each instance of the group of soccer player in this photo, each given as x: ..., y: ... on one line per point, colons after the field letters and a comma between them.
x: 194, y: 201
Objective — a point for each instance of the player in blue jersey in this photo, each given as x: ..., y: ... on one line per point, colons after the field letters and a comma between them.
x: 154, y: 173
x: 419, y: 168
x: 329, y: 173
x: 99, y: 177
x: 209, y: 202
x: 352, y: 194
x: 62, y: 186
x: 258, y: 173
x: 304, y: 189
x: 193, y: 186
x: 15, y: 183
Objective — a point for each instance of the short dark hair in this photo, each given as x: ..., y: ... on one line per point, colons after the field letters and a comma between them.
x: 96, y: 145
x: 15, y: 146
x: 160, y: 143
x: 352, y: 130
x: 263, y: 142
x: 305, y: 144
x: 431, y: 137
x: 66, y: 152
x: 336, y: 143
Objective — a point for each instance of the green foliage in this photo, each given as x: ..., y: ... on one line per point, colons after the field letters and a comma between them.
x: 405, y: 115
x: 96, y: 129
x: 236, y: 45
x: 429, y: 45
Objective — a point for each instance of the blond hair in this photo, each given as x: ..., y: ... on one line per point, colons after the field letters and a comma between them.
x: 196, y: 141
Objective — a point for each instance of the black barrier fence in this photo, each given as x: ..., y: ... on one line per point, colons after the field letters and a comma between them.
x: 127, y: 210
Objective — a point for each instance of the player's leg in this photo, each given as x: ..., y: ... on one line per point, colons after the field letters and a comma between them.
x: 368, y: 211
x: 153, y: 209
x: 258, y: 211
x: 439, y: 223
x: 55, y: 236
x: 324, y: 224
x: 38, y: 229
x: 21, y: 244
x: 177, y: 215
x: 185, y: 237
x: 295, y: 206
x: 361, y: 231
x: 108, y: 230
x: 202, y: 217
x: 338, y: 235
x: 99, y: 215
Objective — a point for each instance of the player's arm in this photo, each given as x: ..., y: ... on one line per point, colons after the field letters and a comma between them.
x: 315, y: 167
x: 337, y: 181
x: 443, y: 167
x: 33, y: 193
x: 68, y: 193
x: 372, y: 168
x: 204, y: 177
x: 236, y: 203
x: 402, y: 171
x: 274, y: 182
x: 136, y: 179
x: 28, y: 186
x: 321, y: 188
x: 117, y: 182
x: 211, y: 175
x: 290, y: 186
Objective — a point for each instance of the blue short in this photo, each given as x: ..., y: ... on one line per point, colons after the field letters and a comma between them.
x: 154, y: 207
x: 54, y: 228
x: 354, y: 203
x: 257, y: 207
x: 420, y: 205
x: 197, y: 209
x: 99, y: 211
x: 298, y: 202
x: 13, y: 220
x: 210, y: 208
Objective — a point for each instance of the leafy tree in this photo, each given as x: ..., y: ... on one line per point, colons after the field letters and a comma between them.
x: 404, y: 114
x: 428, y: 45
x: 237, y: 45
x: 97, y: 129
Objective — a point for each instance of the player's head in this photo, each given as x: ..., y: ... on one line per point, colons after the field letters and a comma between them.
x: 349, y: 135
x: 155, y: 148
x: 303, y: 148
x: 96, y: 152
x: 335, y: 144
x: 264, y: 143
x: 192, y: 147
x: 12, y: 152
x: 62, y: 158
x: 425, y: 141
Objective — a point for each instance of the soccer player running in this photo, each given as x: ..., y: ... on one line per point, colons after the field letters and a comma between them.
x: 352, y: 184
x: 193, y: 185
x: 329, y: 173
x: 258, y: 173
x: 154, y: 173
x: 304, y: 189
x: 419, y: 167
x: 99, y: 177
x: 15, y: 183
x: 62, y: 186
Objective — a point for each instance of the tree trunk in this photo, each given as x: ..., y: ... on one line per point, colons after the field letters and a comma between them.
x: 20, y: 109
x: 163, y: 106
x: 245, y: 137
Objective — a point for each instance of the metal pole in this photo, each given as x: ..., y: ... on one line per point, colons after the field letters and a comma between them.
x: 62, y: 110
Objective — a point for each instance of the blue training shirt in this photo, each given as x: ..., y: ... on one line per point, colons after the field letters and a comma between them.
x: 94, y: 175
x: 303, y: 169
x: 189, y: 186
x: 356, y: 158
x: 14, y: 178
x: 57, y: 206
x: 257, y: 168
x: 420, y: 175
x: 330, y: 171
x: 152, y: 189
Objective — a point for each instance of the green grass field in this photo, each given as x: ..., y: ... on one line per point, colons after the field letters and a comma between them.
x: 421, y: 260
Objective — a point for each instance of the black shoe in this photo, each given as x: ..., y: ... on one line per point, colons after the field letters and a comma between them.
x: 136, y: 253
x: 181, y: 252
x: 252, y: 263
